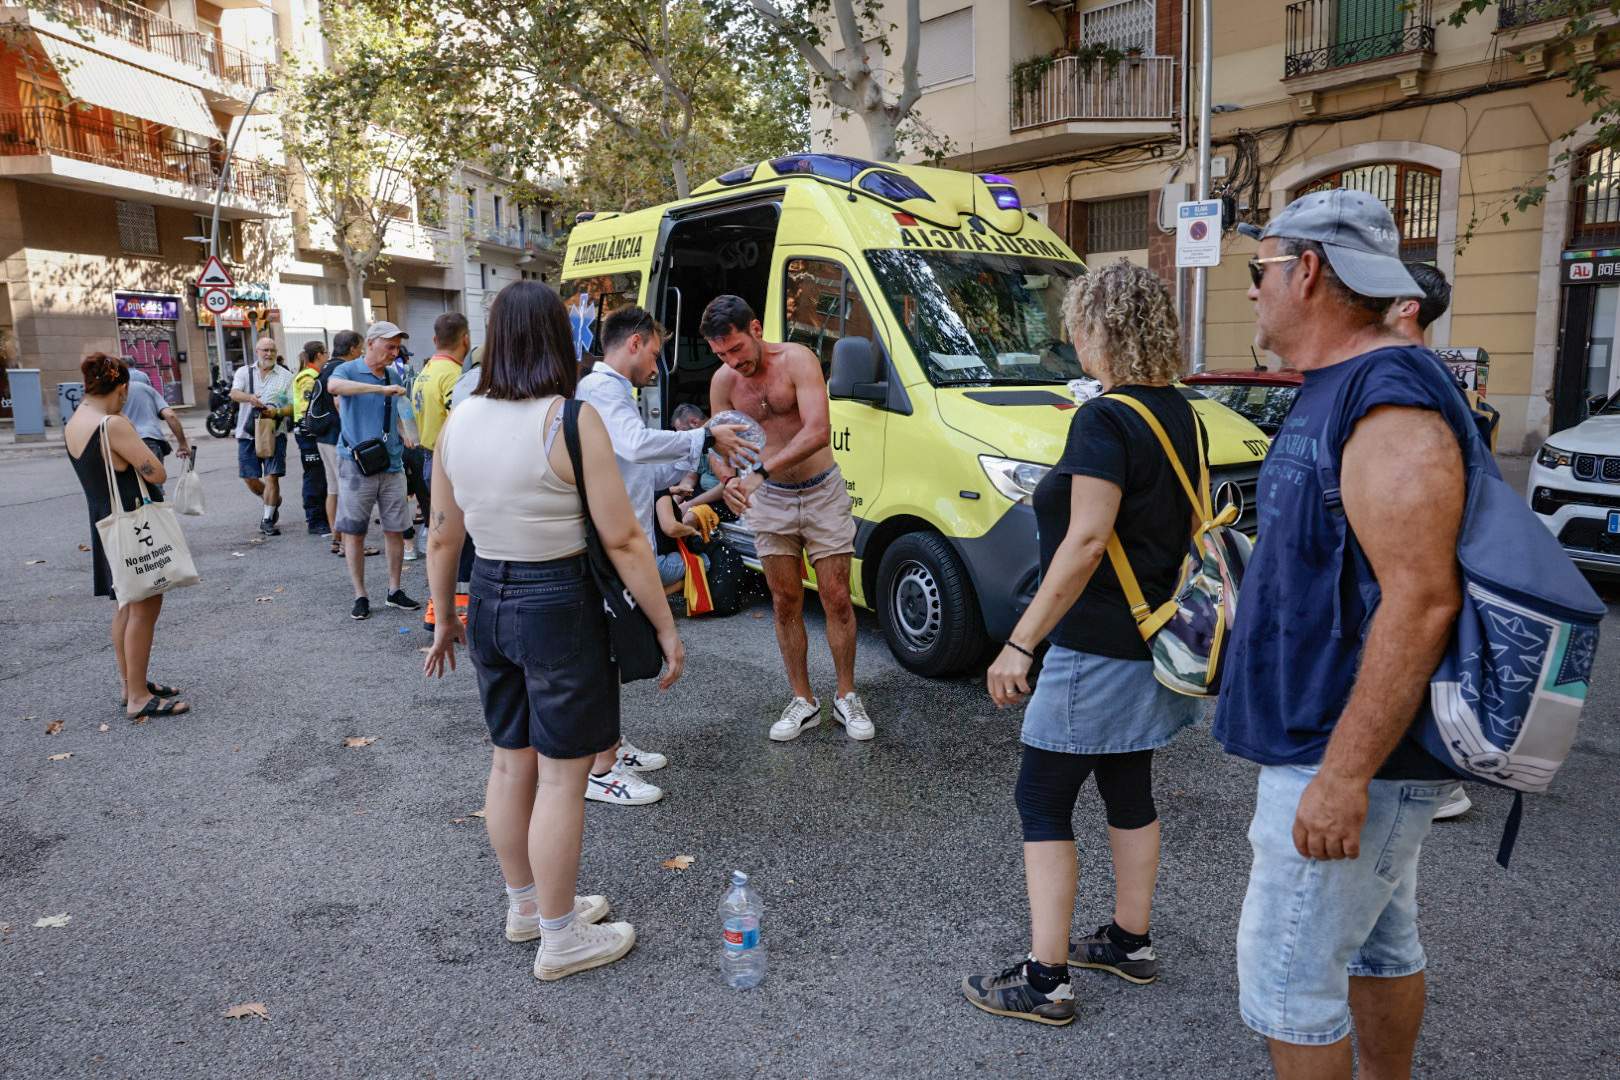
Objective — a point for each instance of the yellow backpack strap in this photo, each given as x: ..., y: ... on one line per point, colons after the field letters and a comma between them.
x: 1201, y: 505
x: 1148, y: 621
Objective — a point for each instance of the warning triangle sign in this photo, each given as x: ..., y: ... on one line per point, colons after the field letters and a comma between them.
x: 214, y: 275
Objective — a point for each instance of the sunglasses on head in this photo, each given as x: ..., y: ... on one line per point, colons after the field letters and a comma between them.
x: 1257, y: 267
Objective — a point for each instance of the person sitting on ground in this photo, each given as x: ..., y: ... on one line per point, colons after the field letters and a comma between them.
x: 98, y: 417
x: 538, y: 636
x: 1097, y: 708
x: 672, y: 569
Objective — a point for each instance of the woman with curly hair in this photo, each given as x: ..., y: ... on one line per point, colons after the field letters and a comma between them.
x: 1096, y: 709
x: 100, y: 416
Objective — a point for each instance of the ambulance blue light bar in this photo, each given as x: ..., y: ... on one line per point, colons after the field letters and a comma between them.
x: 1002, y: 190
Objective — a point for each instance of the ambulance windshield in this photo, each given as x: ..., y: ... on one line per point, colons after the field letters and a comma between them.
x: 973, y: 317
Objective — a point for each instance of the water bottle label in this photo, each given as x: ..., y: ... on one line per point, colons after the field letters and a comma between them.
x: 740, y: 939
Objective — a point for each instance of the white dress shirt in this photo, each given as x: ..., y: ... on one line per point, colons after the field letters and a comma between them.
x: 649, y: 460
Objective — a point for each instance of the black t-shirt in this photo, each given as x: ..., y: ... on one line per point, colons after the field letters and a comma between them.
x: 1109, y: 441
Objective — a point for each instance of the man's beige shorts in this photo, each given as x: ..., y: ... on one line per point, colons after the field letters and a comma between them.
x: 814, y: 519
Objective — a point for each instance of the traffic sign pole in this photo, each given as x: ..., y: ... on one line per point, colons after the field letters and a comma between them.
x: 1200, y: 298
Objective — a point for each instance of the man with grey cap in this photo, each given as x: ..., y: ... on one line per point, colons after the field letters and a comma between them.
x: 145, y: 408
x: 366, y: 389
x: 1326, y: 676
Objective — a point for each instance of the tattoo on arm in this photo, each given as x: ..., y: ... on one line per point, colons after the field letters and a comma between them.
x: 438, y: 520
x: 148, y: 470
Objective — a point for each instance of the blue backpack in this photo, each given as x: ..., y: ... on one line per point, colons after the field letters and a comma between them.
x: 1507, y: 696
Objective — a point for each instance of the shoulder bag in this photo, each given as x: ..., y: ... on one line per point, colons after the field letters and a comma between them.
x: 264, y: 429
x: 145, y: 549
x: 371, y: 456
x: 635, y: 642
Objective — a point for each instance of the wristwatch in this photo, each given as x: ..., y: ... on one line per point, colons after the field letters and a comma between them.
x: 708, y: 441
x: 760, y: 469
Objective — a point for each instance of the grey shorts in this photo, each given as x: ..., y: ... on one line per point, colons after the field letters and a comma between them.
x: 358, y: 495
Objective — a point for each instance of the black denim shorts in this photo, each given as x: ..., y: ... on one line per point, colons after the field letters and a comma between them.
x: 538, y: 638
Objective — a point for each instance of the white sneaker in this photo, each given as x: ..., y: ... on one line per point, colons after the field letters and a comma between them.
x: 639, y: 760
x: 799, y: 714
x: 410, y: 553
x: 1456, y: 806
x: 581, y: 947
x: 851, y: 712
x: 587, y: 909
x: 623, y: 787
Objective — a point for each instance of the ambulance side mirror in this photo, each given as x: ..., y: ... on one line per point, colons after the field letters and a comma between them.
x: 857, y: 372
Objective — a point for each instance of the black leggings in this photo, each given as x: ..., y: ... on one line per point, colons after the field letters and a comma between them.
x: 1049, y: 784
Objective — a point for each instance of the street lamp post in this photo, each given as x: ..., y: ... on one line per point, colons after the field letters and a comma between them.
x: 213, y: 229
x: 1200, y: 297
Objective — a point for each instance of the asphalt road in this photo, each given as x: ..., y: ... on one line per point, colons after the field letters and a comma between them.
x: 242, y: 854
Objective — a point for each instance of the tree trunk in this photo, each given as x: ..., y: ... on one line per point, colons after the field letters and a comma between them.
x: 683, y: 186
x: 357, y: 298
x: 880, y: 134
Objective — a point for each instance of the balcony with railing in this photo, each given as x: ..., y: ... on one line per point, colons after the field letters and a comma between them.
x: 1511, y: 14
x: 1333, y: 43
x: 1073, y: 89
x: 188, y: 173
x: 135, y: 25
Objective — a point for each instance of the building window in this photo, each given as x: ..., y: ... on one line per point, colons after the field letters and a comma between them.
x: 137, y: 228
x: 472, y: 206
x: 1117, y: 224
x: 483, y: 276
x: 1597, y: 197
x: 331, y: 293
x: 229, y: 249
x: 545, y: 222
x: 496, y: 216
x: 1128, y: 24
x: 945, y: 53
x: 379, y: 305
x: 1412, y: 193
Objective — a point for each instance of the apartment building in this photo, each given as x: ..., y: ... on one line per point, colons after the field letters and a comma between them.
x: 113, y: 120
x: 1084, y: 106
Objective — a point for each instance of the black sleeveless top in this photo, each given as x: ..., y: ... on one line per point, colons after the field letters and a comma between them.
x: 93, y: 479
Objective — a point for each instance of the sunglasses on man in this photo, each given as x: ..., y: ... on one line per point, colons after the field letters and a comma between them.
x: 1257, y: 267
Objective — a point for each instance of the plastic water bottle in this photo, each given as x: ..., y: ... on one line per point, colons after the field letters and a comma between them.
x: 742, y: 961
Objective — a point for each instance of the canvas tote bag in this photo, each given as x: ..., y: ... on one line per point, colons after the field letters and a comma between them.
x: 145, y: 548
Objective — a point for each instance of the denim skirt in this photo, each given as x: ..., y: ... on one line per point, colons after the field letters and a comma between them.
x: 538, y: 638
x: 1088, y: 704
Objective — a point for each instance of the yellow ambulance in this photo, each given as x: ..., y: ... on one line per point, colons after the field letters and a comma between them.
x: 934, y: 302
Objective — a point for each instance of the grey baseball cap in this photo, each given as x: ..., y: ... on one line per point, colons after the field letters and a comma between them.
x: 1358, y: 233
x: 384, y: 329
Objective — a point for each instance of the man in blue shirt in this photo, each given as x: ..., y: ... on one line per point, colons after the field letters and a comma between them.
x: 1347, y: 608
x: 368, y: 396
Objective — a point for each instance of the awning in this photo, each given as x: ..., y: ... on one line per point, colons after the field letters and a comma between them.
x: 125, y: 88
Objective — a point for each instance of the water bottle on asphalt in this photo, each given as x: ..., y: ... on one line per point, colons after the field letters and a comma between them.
x: 742, y: 961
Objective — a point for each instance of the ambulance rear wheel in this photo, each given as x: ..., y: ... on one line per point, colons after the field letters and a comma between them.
x: 927, y: 607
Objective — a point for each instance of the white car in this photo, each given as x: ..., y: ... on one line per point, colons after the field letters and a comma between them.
x: 1575, y: 487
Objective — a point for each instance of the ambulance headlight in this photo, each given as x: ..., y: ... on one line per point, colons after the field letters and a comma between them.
x: 1013, y: 478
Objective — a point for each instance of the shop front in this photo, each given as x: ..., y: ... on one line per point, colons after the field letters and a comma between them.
x: 149, y: 340
x: 252, y: 313
x: 1587, y: 366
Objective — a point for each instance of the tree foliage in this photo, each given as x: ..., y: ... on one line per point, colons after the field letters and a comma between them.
x: 362, y: 143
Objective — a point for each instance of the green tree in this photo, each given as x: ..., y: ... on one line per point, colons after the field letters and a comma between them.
x: 361, y: 142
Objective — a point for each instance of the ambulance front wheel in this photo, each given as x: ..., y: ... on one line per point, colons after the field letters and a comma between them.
x: 927, y: 607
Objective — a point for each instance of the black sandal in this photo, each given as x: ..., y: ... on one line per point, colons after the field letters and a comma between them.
x: 159, y: 707
x: 157, y: 690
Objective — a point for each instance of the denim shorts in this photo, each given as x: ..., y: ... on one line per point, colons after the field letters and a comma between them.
x: 1310, y: 924
x: 250, y: 466
x: 1089, y: 704
x: 539, y: 641
x: 672, y: 567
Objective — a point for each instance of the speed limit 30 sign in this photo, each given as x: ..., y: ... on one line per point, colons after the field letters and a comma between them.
x: 217, y: 301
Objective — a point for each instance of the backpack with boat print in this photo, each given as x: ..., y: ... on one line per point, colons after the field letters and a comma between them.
x: 1187, y: 633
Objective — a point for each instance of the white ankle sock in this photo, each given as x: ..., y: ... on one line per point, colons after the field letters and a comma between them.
x: 555, y: 925
x: 518, y: 899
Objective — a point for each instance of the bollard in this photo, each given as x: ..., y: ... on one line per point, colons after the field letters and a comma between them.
x: 27, y: 404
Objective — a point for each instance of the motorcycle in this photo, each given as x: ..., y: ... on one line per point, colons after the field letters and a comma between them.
x: 221, y: 421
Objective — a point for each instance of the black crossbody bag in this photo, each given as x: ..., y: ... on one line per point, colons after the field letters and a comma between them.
x: 635, y: 642
x: 371, y: 456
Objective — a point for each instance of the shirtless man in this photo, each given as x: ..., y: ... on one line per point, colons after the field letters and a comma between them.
x: 795, y: 502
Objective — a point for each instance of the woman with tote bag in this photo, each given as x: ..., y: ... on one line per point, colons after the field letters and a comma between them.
x: 98, y: 419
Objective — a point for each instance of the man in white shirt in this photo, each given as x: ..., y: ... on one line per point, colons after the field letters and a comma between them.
x: 262, y: 389
x: 650, y: 461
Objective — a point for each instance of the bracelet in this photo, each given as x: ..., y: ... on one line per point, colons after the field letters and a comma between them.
x: 1019, y: 648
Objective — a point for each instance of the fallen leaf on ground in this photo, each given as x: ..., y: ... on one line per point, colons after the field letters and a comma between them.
x: 359, y: 740
x: 281, y: 588
x: 758, y: 615
x: 34, y: 562
x: 264, y: 599
x: 104, y: 727
x: 480, y: 812
x: 251, y: 1008
x: 5, y: 928
x: 239, y: 555
x: 84, y: 547
x: 53, y: 920
x: 458, y: 821
x: 53, y: 728
x: 679, y: 862
x: 60, y: 757
x: 139, y: 719
x: 425, y: 649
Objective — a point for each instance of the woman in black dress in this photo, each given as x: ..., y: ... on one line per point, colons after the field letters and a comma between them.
x: 106, y: 388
